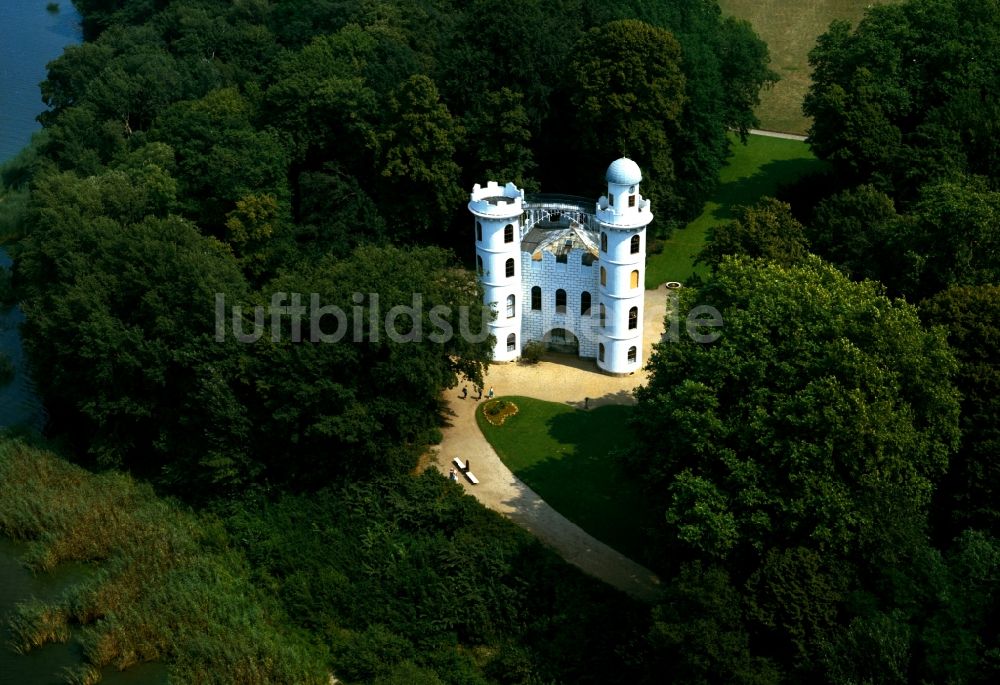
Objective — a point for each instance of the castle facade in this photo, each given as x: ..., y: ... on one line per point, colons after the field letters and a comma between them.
x: 564, y: 271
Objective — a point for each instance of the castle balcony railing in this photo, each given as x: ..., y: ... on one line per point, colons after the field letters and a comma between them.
x: 550, y: 206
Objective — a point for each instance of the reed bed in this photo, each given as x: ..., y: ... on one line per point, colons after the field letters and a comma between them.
x: 167, y: 587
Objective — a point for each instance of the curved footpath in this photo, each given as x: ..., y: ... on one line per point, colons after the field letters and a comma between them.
x: 567, y: 380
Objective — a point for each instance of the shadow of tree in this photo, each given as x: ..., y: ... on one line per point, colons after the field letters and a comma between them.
x: 621, y: 397
x: 767, y: 180
x: 580, y: 475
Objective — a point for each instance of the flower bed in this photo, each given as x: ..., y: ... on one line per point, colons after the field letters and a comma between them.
x: 498, y: 411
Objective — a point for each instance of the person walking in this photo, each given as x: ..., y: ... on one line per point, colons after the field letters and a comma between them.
x: 489, y: 395
x: 452, y: 476
x: 465, y: 392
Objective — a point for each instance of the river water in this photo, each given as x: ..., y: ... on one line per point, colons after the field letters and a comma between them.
x: 30, y: 37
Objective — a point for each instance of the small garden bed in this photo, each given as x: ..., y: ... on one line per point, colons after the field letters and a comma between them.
x: 498, y: 411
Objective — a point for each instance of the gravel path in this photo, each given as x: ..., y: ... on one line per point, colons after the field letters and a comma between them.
x: 568, y: 380
x: 777, y: 134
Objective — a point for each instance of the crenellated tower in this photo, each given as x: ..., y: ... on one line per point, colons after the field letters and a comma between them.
x: 498, y: 214
x: 622, y: 216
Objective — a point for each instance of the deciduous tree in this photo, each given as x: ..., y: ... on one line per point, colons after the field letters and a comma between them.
x: 627, y: 91
x: 822, y: 416
x: 766, y: 230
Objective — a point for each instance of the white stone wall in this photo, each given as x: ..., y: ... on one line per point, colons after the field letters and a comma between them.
x: 550, y: 276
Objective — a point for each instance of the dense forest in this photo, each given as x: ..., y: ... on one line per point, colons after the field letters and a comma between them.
x: 830, y: 484
x: 826, y: 470
x: 205, y: 148
x: 247, y: 148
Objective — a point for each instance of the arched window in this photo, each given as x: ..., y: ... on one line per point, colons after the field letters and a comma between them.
x: 635, y: 244
x: 536, y: 297
x: 479, y: 231
x: 585, y: 303
x: 560, y: 301
x: 633, y: 318
x: 508, y: 233
x: 600, y: 352
x: 479, y: 265
x: 604, y: 315
x: 631, y: 354
x: 611, y: 200
x: 604, y: 242
x: 510, y: 306
x: 634, y: 280
x: 510, y: 268
x: 512, y: 342
x: 604, y: 276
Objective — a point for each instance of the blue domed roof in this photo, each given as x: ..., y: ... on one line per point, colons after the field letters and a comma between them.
x: 623, y: 172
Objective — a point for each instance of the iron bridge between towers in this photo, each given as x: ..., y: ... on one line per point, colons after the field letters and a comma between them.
x: 553, y: 208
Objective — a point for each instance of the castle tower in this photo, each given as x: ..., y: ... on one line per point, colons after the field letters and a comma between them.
x: 498, y: 215
x: 622, y: 217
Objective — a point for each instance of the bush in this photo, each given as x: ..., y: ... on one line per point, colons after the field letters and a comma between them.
x: 433, y: 436
x: 532, y: 352
x: 654, y: 246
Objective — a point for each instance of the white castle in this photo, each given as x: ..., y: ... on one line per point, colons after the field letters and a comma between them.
x: 565, y: 272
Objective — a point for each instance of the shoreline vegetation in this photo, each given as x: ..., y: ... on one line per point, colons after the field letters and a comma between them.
x: 365, y: 581
x: 168, y: 584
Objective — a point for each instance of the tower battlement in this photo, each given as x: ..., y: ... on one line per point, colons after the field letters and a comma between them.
x: 495, y: 200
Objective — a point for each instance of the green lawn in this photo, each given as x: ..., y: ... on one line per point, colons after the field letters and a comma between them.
x: 755, y: 170
x: 790, y: 29
x: 565, y: 455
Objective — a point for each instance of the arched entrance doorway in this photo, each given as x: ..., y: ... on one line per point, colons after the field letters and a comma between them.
x: 561, y: 340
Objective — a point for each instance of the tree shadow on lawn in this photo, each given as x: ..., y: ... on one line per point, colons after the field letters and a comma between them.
x: 767, y: 180
x: 620, y: 398
x: 585, y: 482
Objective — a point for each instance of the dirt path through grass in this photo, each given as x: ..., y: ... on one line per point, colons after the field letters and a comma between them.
x: 568, y: 380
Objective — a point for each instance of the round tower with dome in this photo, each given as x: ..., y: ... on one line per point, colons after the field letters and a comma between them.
x: 498, y: 216
x: 621, y: 218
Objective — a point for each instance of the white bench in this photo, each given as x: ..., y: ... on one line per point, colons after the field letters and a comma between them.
x: 464, y: 470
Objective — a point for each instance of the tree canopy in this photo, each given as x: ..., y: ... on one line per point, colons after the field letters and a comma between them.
x: 627, y: 92
x: 766, y: 230
x: 796, y: 459
x: 906, y: 97
x: 822, y: 402
x: 225, y: 186
x: 904, y: 107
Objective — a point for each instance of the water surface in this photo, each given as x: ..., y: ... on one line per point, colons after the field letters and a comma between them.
x: 30, y: 37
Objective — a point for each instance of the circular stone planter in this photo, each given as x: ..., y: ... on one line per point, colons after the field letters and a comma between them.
x: 673, y: 285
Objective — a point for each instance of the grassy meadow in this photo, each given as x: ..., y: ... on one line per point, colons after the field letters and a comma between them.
x: 790, y: 29
x: 566, y: 455
x: 756, y: 169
